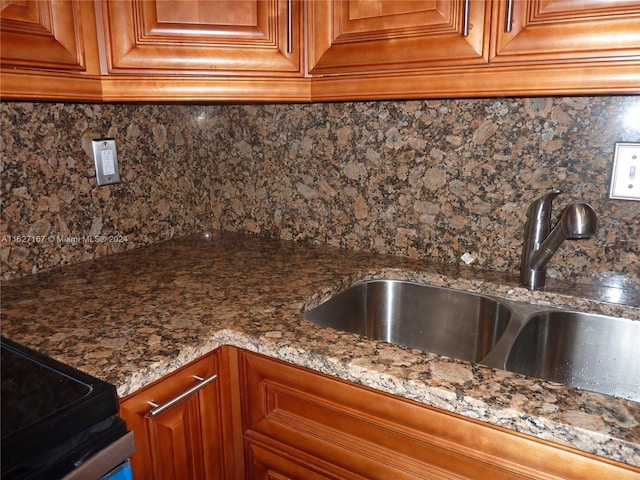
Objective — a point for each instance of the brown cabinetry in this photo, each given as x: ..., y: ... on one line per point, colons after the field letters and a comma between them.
x: 427, y: 48
x: 199, y: 49
x: 267, y: 463
x: 316, y: 50
x: 201, y: 37
x: 347, y: 36
x: 183, y: 424
x: 565, y: 30
x: 264, y: 419
x: 49, y: 49
x: 300, y: 425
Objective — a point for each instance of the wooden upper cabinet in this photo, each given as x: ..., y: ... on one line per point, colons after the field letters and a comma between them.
x: 203, y: 37
x: 565, y: 30
x: 316, y: 50
x: 377, y: 49
x: 49, y: 50
x: 347, y: 36
x: 42, y: 34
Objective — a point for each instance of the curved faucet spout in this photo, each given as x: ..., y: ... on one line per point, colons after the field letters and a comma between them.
x: 578, y: 220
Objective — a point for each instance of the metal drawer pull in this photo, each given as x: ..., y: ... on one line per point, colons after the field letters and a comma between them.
x: 202, y: 382
x: 465, y: 21
x: 289, y: 26
x: 508, y: 24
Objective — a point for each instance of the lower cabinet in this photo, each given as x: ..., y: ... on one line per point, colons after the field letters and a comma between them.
x: 268, y: 463
x: 302, y: 425
x: 183, y: 423
x: 263, y: 419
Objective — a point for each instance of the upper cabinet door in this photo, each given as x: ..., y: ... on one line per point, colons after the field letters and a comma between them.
x: 348, y: 36
x: 49, y: 50
x: 565, y: 30
x: 203, y: 37
x: 42, y: 34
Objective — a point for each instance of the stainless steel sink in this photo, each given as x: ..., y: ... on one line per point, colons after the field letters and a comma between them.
x: 448, y: 322
x: 587, y: 351
x: 591, y: 352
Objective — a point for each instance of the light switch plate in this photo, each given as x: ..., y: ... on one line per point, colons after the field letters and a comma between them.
x: 625, y: 178
x: 105, y: 157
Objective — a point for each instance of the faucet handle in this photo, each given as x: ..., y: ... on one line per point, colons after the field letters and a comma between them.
x: 540, y: 209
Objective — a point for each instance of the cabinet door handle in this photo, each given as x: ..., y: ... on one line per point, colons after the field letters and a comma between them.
x: 202, y: 382
x: 508, y: 24
x: 465, y: 18
x: 289, y: 26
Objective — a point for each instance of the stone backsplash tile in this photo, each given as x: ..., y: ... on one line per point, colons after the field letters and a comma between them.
x: 53, y: 212
x: 430, y: 178
x: 435, y: 178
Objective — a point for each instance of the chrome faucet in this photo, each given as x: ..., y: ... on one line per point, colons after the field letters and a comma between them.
x: 577, y: 220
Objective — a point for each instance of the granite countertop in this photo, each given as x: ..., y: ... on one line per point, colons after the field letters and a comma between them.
x: 131, y: 318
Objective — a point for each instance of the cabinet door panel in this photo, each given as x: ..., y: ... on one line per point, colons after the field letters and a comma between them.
x: 41, y: 34
x: 177, y: 442
x: 567, y: 30
x: 318, y: 421
x: 203, y: 37
x: 382, y: 35
x: 220, y: 12
x: 265, y: 463
x: 185, y: 440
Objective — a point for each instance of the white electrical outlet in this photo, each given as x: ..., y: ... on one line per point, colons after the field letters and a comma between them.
x: 625, y: 179
x: 106, y: 160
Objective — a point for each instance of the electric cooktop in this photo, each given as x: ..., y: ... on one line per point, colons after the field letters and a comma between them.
x: 53, y: 416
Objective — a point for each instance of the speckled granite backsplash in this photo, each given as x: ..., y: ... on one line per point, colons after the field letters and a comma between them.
x: 417, y: 178
x: 49, y: 191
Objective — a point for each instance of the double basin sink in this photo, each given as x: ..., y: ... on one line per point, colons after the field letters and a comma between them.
x: 587, y: 351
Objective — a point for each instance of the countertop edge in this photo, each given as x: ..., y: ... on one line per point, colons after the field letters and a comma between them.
x: 442, y: 398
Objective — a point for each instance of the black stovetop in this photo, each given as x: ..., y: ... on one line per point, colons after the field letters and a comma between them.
x: 53, y: 416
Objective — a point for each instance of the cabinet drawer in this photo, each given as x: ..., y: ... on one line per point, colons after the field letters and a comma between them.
x: 268, y: 463
x: 376, y: 435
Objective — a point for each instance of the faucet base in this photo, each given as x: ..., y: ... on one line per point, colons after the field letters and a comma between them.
x: 533, y: 279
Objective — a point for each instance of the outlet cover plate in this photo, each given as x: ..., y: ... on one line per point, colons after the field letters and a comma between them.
x: 105, y: 157
x: 625, y: 178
